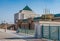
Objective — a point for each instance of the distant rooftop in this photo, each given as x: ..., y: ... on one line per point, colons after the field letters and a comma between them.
x: 27, y: 8
x: 57, y: 15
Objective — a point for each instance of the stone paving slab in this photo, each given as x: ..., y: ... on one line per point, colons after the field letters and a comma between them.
x: 5, y: 35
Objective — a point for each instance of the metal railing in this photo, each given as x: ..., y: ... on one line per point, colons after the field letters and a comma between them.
x: 48, y: 32
x: 51, y: 32
x: 26, y: 31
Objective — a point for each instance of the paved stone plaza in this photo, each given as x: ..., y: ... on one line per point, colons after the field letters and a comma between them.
x: 9, y: 36
x: 6, y: 35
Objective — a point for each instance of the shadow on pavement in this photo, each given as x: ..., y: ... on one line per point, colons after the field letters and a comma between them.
x: 22, y: 38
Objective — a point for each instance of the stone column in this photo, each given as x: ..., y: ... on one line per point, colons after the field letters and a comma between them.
x: 38, y: 33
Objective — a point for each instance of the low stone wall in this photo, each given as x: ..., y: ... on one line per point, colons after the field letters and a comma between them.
x: 51, y: 23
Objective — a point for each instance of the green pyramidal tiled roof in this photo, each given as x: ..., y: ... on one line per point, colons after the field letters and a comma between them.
x: 27, y: 8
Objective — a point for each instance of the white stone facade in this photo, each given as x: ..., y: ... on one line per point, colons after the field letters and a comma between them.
x: 25, y: 14
x: 29, y: 14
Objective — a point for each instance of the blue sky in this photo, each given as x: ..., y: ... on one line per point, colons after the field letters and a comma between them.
x: 9, y: 7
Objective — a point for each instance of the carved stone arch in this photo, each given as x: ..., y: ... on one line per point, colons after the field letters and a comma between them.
x: 30, y: 21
